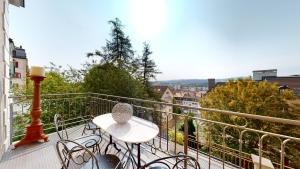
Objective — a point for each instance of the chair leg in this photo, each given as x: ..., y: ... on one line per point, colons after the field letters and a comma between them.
x: 68, y: 163
x: 99, y: 148
x: 83, y: 132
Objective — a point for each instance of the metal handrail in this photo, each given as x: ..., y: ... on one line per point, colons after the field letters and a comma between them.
x: 103, y: 103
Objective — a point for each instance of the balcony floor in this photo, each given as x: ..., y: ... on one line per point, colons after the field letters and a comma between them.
x: 44, y: 156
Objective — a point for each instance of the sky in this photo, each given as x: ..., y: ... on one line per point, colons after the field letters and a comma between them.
x: 189, y: 38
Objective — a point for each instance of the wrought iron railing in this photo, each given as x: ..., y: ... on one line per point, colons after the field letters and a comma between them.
x: 228, y: 141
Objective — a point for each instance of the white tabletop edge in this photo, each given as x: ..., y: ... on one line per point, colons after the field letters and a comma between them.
x: 136, y: 130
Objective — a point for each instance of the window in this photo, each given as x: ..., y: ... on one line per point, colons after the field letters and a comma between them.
x: 16, y: 64
x: 18, y: 75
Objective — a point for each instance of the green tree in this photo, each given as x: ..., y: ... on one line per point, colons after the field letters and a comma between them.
x: 148, y: 69
x: 109, y: 79
x: 118, y: 50
x: 248, y: 96
x: 191, y: 126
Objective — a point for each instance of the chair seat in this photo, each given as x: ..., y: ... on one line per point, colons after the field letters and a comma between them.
x: 107, y: 161
x: 91, y: 126
x: 87, y: 141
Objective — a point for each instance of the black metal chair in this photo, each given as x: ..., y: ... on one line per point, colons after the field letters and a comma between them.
x: 88, y: 141
x: 171, y: 162
x: 84, y: 159
x: 90, y: 126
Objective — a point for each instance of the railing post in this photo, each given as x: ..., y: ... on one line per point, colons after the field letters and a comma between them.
x: 186, y: 138
x: 11, y: 116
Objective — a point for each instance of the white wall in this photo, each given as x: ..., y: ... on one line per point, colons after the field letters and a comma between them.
x: 4, y: 78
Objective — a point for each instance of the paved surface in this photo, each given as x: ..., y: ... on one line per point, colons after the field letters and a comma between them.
x: 44, y: 156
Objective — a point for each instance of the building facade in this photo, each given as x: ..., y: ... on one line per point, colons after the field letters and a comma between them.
x: 19, y: 66
x: 4, y: 73
x: 292, y: 82
x: 260, y: 74
x: 166, y: 96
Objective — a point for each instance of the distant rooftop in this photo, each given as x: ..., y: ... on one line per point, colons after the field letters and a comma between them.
x: 161, y: 89
x: 266, y: 70
x: 18, y: 3
x: 19, y: 52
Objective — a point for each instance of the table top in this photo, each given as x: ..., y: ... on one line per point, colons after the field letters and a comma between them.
x: 136, y: 130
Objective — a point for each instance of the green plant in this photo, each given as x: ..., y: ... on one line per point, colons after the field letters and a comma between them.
x: 179, y: 136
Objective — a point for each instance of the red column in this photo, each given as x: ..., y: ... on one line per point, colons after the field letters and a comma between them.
x: 34, y: 132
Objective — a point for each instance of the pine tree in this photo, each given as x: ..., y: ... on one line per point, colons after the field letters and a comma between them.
x: 118, y: 50
x: 148, y: 69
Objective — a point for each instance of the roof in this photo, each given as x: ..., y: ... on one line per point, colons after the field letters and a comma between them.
x: 19, y: 53
x: 292, y: 82
x: 18, y: 3
x: 267, y: 70
x: 161, y: 89
x: 217, y: 84
x: 11, y: 40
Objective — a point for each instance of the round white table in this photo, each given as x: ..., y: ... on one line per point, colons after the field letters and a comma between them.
x: 135, y: 131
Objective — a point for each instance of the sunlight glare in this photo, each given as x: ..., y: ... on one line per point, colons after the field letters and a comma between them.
x: 148, y: 16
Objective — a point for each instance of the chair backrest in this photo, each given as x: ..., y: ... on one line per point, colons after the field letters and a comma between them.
x: 60, y: 127
x: 171, y: 162
x: 76, y: 155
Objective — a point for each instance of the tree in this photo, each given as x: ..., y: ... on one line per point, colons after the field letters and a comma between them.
x: 191, y: 126
x: 248, y: 96
x: 118, y: 50
x: 147, y: 66
x: 55, y: 82
x: 109, y: 79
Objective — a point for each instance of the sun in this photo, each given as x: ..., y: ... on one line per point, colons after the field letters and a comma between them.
x: 148, y: 16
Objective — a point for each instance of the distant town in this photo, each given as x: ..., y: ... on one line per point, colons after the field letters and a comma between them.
x: 188, y: 92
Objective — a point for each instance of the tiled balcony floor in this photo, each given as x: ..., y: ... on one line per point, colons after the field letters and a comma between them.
x: 44, y: 156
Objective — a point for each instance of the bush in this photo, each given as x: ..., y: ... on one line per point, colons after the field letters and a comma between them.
x: 109, y: 79
x: 179, y: 136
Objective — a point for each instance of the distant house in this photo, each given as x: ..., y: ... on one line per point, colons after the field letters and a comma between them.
x: 261, y: 74
x: 166, y: 96
x: 165, y: 92
x: 19, y: 65
x: 190, y: 100
x: 292, y: 82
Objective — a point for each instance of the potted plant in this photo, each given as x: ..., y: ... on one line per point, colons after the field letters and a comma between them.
x: 179, y: 141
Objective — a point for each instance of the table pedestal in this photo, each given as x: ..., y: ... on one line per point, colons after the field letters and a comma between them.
x: 111, y: 143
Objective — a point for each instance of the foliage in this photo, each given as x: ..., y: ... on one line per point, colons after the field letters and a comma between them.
x: 147, y: 66
x: 176, y: 109
x: 53, y: 83
x: 118, y: 50
x: 179, y: 136
x: 191, y: 125
x: 109, y: 79
x: 248, y: 96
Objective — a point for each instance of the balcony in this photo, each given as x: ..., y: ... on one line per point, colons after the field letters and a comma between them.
x: 214, y: 143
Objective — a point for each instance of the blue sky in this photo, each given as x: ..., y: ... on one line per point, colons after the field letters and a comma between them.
x: 189, y: 38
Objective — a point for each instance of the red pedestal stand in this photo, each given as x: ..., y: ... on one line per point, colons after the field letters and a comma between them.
x: 34, y: 132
